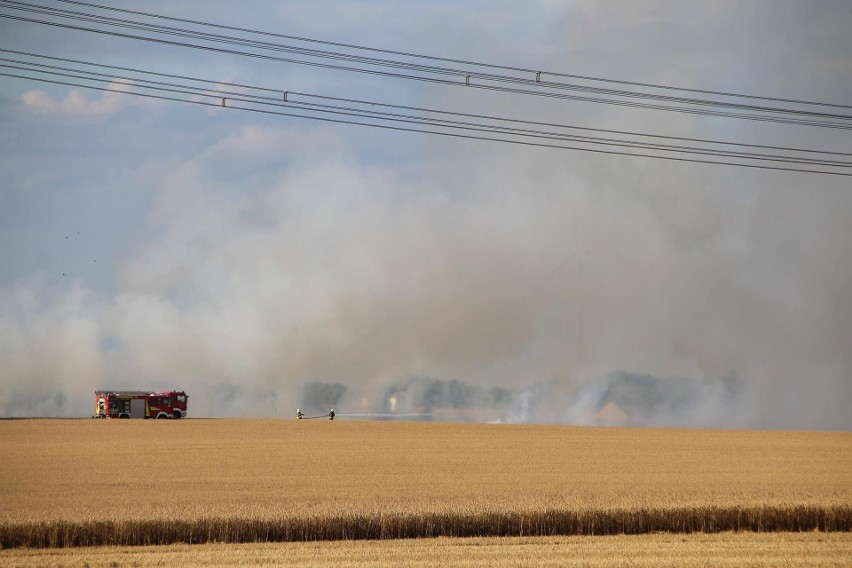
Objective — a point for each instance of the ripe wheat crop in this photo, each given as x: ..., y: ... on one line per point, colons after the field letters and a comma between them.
x: 82, y: 483
x: 759, y: 550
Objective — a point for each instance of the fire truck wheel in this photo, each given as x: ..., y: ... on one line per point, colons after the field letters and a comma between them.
x: 177, y: 414
x: 160, y: 416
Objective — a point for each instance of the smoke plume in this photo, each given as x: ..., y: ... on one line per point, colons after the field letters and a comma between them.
x: 570, y: 288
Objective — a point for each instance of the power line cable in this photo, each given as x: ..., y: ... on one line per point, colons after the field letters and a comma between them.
x: 460, y: 135
x: 279, y: 91
x: 526, y: 70
x: 444, y: 81
x: 237, y: 96
x: 382, y: 62
x: 415, y: 119
x: 402, y: 65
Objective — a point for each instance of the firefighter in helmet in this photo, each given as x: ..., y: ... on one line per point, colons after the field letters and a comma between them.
x: 299, y: 414
x: 331, y: 414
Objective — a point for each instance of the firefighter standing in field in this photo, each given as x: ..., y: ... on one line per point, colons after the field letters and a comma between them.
x: 331, y: 414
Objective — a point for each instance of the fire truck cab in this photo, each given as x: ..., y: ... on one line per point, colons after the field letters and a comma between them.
x: 140, y: 404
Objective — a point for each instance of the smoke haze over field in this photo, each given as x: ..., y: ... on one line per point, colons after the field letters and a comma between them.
x: 158, y: 246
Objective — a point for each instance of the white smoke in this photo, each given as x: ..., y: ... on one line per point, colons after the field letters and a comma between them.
x: 330, y: 272
x: 278, y: 256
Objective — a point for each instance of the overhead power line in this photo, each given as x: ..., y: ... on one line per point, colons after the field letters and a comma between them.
x: 429, y: 73
x: 281, y: 103
x: 372, y: 104
x: 526, y: 70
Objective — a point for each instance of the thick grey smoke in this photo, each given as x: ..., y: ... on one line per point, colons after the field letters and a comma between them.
x: 337, y: 274
x: 592, y: 290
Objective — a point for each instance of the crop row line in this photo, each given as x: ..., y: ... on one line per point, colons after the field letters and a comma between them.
x: 359, y: 526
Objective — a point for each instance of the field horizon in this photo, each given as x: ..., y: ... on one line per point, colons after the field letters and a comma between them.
x: 124, y: 482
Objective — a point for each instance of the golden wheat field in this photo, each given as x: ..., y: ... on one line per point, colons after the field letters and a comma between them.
x: 734, y: 550
x: 124, y: 482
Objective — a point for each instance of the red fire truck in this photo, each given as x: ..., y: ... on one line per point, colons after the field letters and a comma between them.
x: 140, y: 404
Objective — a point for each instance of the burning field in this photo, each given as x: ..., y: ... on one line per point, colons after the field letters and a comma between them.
x: 72, y: 483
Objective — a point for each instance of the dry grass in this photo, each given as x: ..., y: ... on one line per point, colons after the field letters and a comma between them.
x: 76, y: 483
x: 659, y: 550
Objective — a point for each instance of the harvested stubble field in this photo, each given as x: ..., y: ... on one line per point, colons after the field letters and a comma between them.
x: 123, y: 482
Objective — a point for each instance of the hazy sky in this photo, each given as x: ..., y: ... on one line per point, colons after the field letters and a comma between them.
x: 146, y: 244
